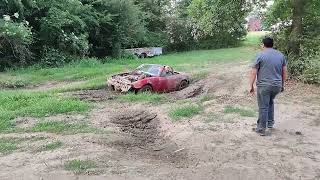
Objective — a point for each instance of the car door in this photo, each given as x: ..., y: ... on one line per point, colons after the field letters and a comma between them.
x: 163, y: 83
x: 172, y: 82
x: 168, y: 81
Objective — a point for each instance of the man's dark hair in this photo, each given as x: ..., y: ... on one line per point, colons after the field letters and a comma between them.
x: 267, y: 42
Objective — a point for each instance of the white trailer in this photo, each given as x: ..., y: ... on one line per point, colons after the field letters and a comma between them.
x: 146, y: 52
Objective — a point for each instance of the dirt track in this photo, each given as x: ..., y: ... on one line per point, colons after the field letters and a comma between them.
x: 144, y: 143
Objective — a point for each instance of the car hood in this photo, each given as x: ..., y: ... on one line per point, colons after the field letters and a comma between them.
x: 128, y: 78
x: 125, y: 77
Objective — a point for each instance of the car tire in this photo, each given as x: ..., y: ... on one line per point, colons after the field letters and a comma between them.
x: 183, y: 84
x: 145, y: 88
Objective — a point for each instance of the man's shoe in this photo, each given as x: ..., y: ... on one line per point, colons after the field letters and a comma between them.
x: 261, y: 132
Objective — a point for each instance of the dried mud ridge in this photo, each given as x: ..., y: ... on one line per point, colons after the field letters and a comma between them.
x: 95, y: 95
x: 139, y: 135
x: 191, y: 91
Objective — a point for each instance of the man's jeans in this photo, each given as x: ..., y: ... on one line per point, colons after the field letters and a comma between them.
x: 266, y: 95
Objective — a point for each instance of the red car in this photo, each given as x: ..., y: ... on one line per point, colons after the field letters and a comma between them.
x: 149, y: 77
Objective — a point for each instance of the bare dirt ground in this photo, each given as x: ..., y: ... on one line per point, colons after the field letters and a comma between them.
x: 53, y: 85
x: 144, y: 143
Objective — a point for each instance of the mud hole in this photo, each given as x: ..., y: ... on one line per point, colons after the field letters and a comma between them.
x: 140, y: 135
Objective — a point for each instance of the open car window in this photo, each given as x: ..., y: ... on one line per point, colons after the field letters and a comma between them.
x: 167, y: 71
x: 153, y: 70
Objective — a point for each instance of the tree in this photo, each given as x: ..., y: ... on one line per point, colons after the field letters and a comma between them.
x: 120, y: 26
x: 155, y: 17
x: 219, y: 23
x: 15, y: 39
x: 296, y: 32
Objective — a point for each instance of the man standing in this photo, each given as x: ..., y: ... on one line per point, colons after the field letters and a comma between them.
x: 269, y: 68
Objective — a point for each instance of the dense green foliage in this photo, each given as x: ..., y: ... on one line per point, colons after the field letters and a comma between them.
x: 219, y: 23
x: 305, y: 62
x: 55, y: 32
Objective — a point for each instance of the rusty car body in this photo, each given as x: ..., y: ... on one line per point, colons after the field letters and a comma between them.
x: 149, y: 77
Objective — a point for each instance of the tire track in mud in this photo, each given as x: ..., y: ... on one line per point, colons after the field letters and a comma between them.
x: 140, y: 136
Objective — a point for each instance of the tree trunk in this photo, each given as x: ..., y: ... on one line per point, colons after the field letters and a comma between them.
x: 296, y: 32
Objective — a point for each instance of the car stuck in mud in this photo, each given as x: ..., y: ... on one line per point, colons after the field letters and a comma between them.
x: 149, y: 78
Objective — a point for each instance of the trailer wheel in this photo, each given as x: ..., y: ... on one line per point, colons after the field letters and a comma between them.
x: 143, y: 55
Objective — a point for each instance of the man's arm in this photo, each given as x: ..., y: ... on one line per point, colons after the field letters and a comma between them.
x: 284, y: 76
x: 253, y: 75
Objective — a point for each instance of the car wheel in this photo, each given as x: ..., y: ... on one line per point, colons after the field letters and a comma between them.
x: 183, y: 84
x: 145, y: 88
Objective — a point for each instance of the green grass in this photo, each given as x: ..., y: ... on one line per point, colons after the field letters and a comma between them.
x: 185, y: 112
x: 254, y: 38
x: 217, y: 118
x: 95, y: 72
x: 199, y: 75
x: 242, y: 111
x: 212, y: 118
x: 97, y: 83
x: 206, y: 98
x: 79, y: 166
x: 143, y: 97
x: 13, y: 83
x: 15, y: 104
x: 51, y: 146
x: 62, y: 127
x: 7, y: 146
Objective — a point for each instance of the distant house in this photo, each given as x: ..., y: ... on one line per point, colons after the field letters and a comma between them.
x: 254, y: 24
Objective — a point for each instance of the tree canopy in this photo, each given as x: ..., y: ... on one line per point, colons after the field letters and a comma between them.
x: 54, y: 32
x: 295, y: 25
x: 51, y: 31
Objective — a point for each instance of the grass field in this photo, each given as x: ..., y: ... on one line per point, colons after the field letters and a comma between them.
x: 16, y: 101
x: 95, y: 72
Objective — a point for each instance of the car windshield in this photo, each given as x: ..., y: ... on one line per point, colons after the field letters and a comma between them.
x: 151, y: 69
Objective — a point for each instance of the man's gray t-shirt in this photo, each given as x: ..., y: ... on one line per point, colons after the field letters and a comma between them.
x: 269, y: 64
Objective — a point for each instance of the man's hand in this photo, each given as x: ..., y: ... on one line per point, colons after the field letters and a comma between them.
x: 253, y: 76
x: 284, y: 77
x: 251, y: 90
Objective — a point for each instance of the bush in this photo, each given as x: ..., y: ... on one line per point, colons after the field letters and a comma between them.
x: 127, y: 55
x: 54, y: 58
x: 13, y: 84
x: 15, y: 39
x: 311, y: 74
x: 306, y: 66
x: 217, y: 23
